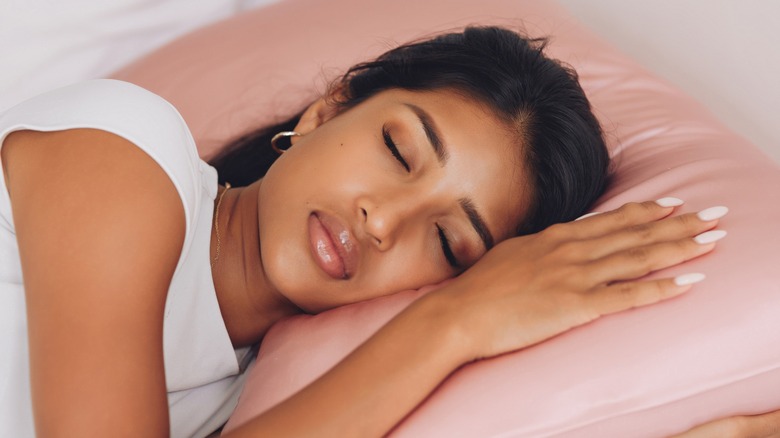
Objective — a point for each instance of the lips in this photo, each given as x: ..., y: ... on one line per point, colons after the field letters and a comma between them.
x: 332, y: 246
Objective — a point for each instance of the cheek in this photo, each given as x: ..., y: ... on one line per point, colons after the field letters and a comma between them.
x: 320, y: 165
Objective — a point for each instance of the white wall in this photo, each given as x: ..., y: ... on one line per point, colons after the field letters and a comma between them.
x: 726, y: 53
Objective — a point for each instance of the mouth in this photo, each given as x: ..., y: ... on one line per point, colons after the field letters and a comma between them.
x: 332, y: 246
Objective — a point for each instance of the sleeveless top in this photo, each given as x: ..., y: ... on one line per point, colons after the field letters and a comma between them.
x: 203, y: 373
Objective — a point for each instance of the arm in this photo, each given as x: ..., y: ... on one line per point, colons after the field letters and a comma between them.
x: 98, y: 247
x: 522, y: 292
x: 743, y: 426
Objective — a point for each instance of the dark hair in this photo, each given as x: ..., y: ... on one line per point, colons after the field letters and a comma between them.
x: 559, y: 139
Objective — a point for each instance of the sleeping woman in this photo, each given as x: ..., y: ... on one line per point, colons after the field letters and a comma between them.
x: 133, y: 283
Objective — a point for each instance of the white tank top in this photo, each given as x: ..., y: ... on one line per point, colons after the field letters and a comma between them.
x: 203, y: 373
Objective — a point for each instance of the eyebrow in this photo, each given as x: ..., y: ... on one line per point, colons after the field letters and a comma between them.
x: 431, y: 131
x: 434, y: 137
x: 477, y: 222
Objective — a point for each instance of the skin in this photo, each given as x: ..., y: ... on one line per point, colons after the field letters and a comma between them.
x: 743, y: 426
x: 87, y: 285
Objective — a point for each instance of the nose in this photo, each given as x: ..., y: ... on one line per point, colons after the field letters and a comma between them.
x: 385, y: 219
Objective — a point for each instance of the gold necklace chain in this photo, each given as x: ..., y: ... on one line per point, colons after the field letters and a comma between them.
x: 216, y: 222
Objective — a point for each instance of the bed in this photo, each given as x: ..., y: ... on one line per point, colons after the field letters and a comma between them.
x: 645, y: 373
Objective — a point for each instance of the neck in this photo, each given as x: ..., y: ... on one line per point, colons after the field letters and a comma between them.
x: 248, y: 303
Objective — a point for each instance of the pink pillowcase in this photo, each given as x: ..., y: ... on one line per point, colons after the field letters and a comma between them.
x: 647, y: 372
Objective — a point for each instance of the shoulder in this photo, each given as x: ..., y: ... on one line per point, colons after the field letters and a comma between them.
x: 96, y: 206
x: 91, y: 173
x: 101, y: 140
x: 95, y: 113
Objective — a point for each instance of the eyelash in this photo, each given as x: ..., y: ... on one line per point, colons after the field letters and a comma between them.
x: 447, y: 249
x: 393, y: 149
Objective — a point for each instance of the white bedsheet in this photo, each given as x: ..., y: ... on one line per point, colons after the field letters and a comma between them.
x: 45, y: 44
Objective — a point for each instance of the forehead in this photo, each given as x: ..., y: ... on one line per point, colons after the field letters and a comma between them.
x: 485, y: 154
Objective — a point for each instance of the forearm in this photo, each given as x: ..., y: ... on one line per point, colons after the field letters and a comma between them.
x: 741, y: 426
x: 375, y: 386
x: 522, y: 292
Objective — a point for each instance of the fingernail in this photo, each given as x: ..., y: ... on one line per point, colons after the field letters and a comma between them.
x: 686, y: 279
x: 712, y: 213
x: 670, y: 202
x: 710, y: 236
x: 593, y: 213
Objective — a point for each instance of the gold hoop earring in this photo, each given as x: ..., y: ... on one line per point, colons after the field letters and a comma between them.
x: 276, y: 138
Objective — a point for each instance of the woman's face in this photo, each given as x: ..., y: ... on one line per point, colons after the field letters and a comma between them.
x: 403, y: 190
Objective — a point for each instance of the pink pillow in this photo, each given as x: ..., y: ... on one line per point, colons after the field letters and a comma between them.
x: 648, y: 372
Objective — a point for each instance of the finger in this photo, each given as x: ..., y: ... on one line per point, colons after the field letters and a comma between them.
x: 639, y: 261
x: 628, y: 215
x: 627, y: 295
x: 667, y: 229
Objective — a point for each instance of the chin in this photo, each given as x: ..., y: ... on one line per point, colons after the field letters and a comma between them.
x: 293, y: 277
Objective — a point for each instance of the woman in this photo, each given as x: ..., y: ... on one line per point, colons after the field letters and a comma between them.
x: 414, y: 168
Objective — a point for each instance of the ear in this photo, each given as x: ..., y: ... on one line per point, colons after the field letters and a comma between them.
x: 319, y: 112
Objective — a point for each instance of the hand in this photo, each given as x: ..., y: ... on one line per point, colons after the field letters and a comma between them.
x: 743, y: 426
x: 530, y: 288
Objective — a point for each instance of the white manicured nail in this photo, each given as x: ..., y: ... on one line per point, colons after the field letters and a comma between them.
x: 712, y: 213
x: 686, y: 279
x: 593, y: 213
x: 710, y: 236
x: 670, y: 202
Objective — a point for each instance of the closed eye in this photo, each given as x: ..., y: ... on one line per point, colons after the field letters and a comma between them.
x: 393, y: 149
x: 447, y: 249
